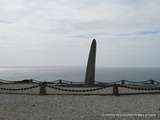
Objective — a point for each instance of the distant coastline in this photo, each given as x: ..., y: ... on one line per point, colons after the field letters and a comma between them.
x: 49, y: 73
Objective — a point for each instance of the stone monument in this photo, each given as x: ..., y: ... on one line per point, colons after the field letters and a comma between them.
x: 90, y: 70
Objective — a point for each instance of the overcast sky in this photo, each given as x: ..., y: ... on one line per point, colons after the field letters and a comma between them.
x: 59, y: 32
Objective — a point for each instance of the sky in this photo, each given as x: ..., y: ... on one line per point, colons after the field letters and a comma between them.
x: 59, y: 32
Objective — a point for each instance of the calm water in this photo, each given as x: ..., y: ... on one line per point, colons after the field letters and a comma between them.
x: 77, y: 73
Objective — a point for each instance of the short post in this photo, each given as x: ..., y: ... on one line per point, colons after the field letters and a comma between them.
x: 60, y: 81
x: 115, y: 90
x: 122, y: 82
x: 151, y: 81
x: 43, y: 89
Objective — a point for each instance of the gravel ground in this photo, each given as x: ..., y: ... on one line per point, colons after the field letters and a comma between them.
x: 68, y: 107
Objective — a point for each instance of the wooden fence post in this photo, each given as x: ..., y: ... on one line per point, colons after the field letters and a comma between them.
x: 122, y: 82
x: 151, y: 81
x: 42, y: 89
x: 115, y: 90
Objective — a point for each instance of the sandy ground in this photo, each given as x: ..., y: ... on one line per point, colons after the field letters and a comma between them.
x: 49, y: 107
x: 71, y: 107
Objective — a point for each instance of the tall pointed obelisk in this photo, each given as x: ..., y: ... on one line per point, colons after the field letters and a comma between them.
x: 90, y: 71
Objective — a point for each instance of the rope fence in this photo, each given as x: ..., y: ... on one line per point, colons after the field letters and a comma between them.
x: 59, y: 85
x: 73, y: 90
x: 19, y: 89
x: 140, y: 88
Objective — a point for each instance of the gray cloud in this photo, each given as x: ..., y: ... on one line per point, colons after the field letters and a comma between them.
x: 149, y: 33
x: 47, y: 30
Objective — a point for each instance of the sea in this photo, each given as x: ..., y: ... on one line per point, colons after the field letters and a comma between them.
x: 77, y: 74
